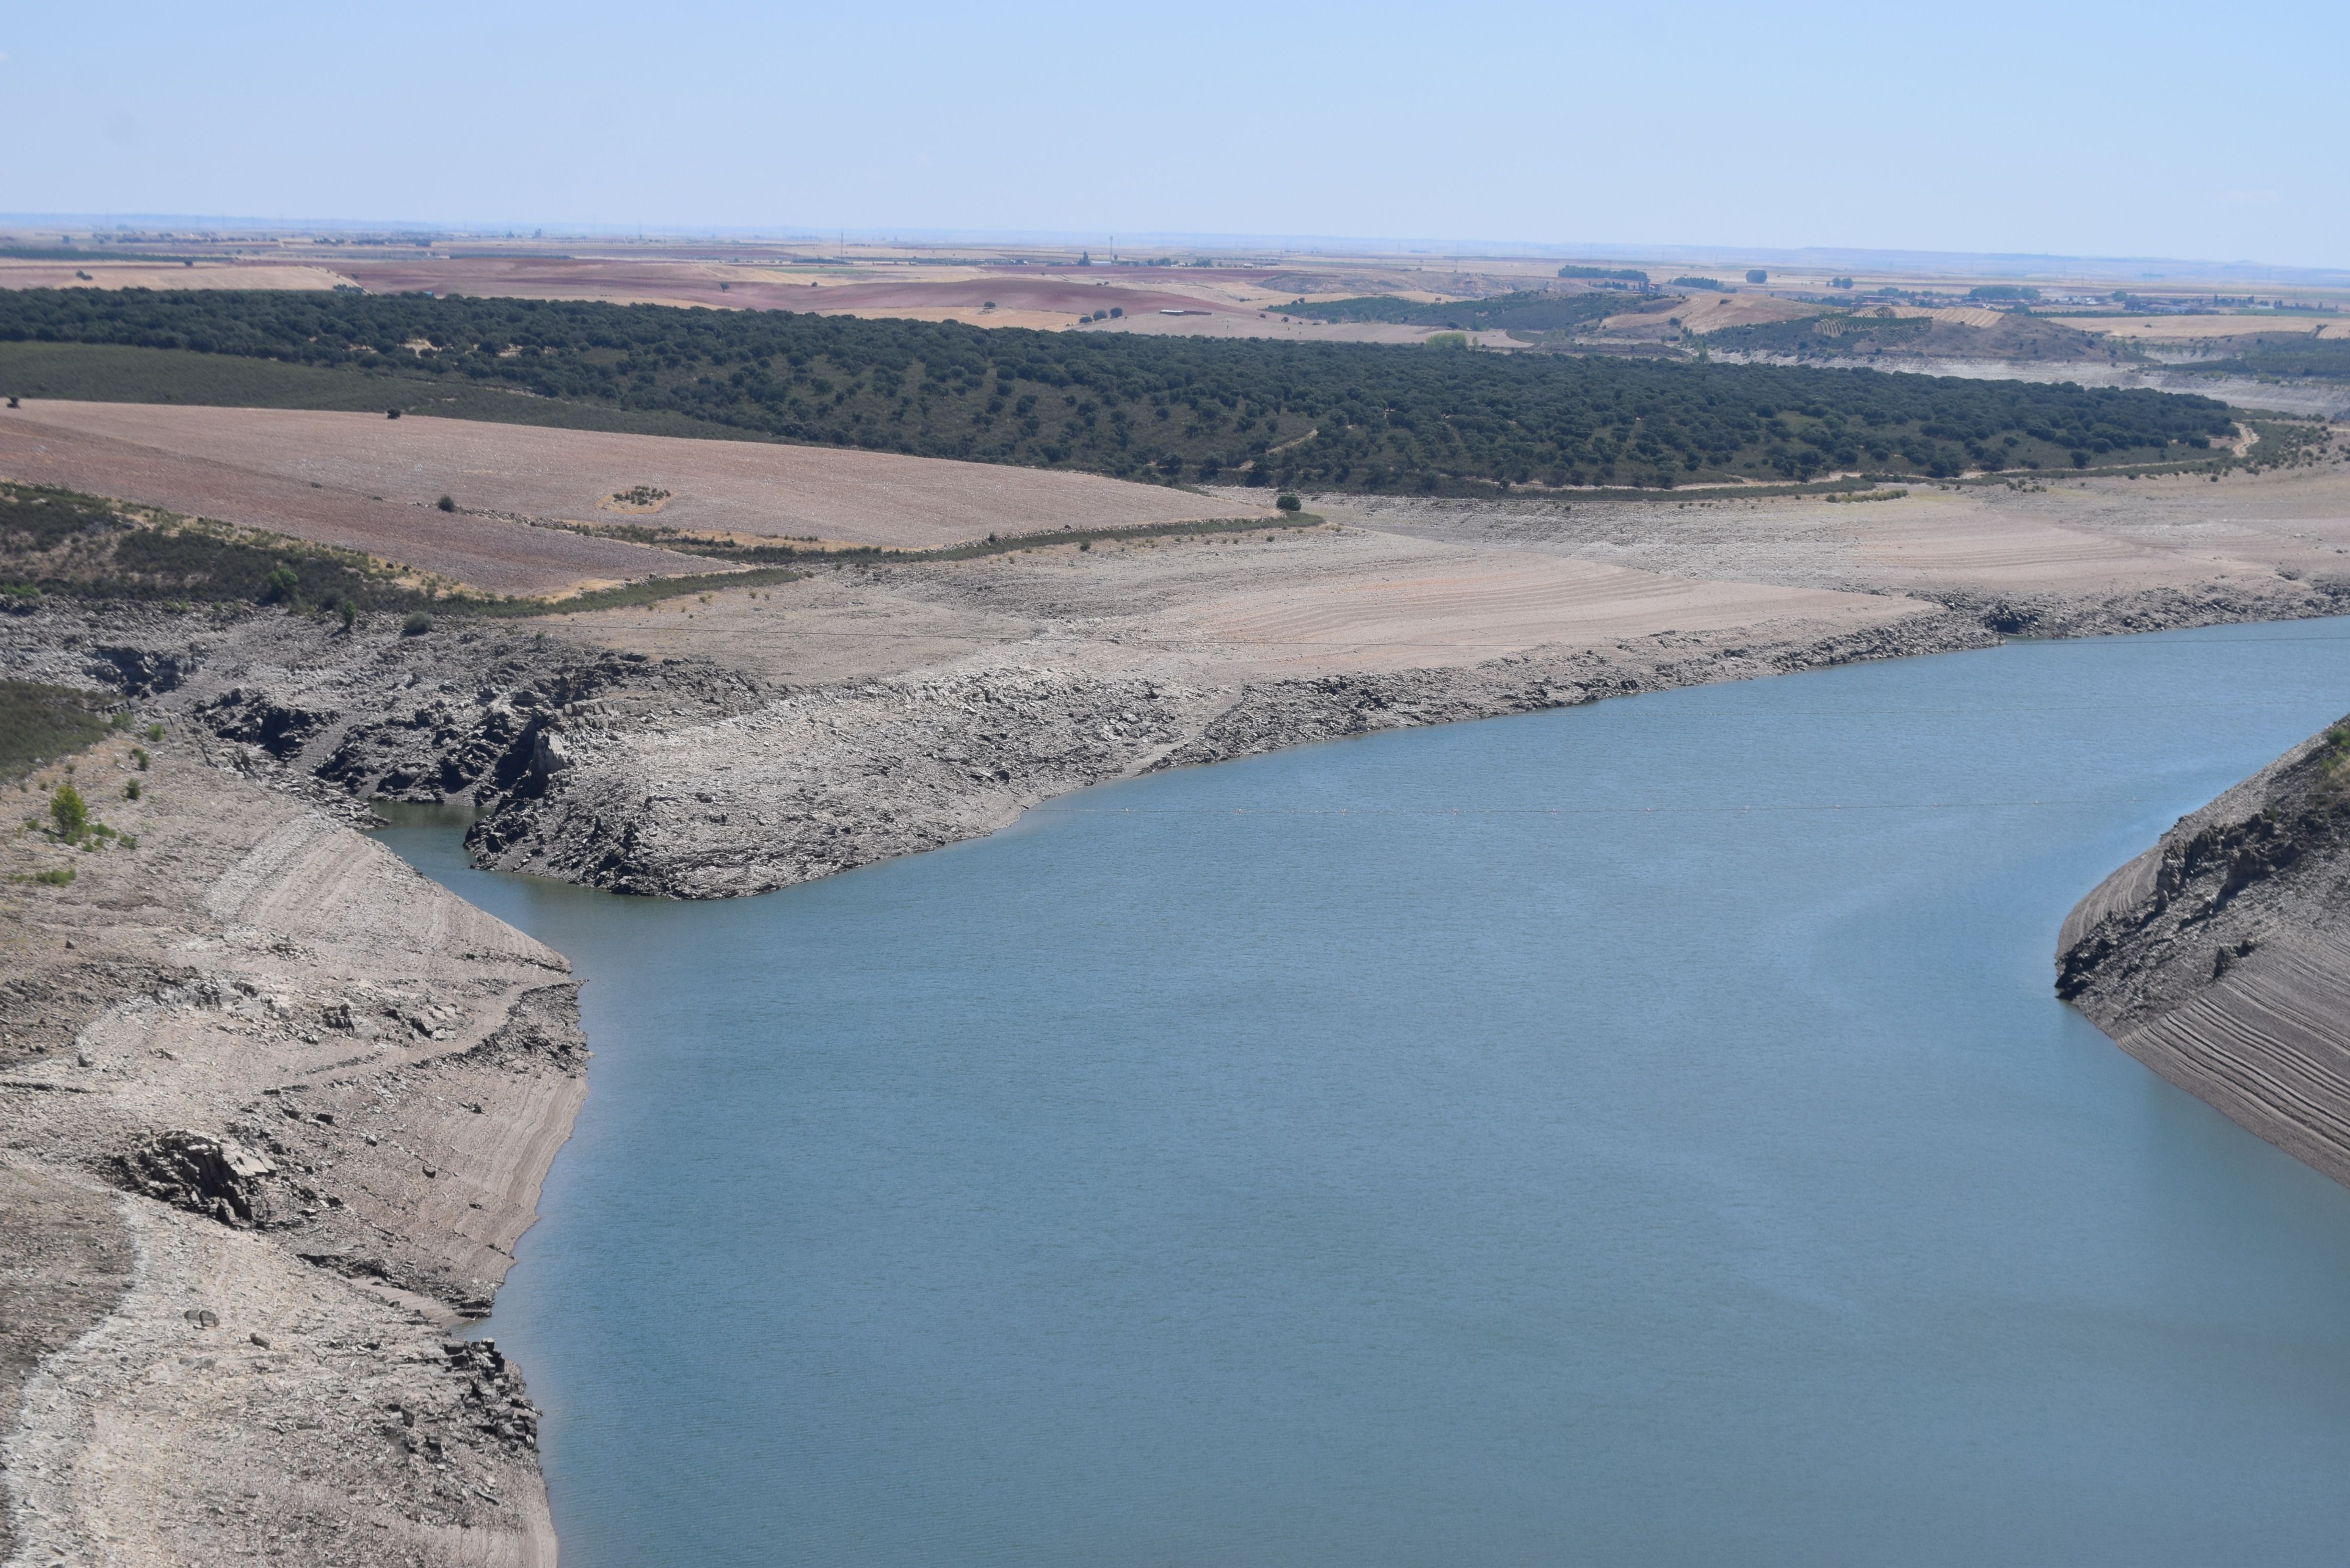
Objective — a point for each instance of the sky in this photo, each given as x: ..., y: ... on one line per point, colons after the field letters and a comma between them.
x: 2065, y: 127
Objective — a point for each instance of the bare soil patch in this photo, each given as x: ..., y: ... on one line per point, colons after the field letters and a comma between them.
x: 1452, y: 610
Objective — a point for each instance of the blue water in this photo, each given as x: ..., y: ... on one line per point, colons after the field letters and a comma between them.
x: 1637, y: 1135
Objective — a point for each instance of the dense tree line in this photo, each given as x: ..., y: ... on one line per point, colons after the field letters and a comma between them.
x: 1352, y: 416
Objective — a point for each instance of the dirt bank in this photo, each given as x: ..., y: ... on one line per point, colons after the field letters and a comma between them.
x: 2220, y: 957
x: 273, y: 1110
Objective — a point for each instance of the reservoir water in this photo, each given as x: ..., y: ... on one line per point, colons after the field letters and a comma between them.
x: 1642, y: 1134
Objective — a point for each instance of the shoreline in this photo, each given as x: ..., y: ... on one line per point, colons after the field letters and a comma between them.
x: 297, y: 1103
x: 721, y: 747
x: 256, y: 892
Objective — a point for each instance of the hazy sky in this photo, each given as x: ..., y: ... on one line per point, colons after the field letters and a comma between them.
x: 2207, y: 131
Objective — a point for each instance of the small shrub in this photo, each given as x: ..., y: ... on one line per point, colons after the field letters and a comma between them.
x: 56, y: 878
x: 1085, y: 544
x: 128, y: 840
x: 446, y: 504
x: 69, y: 812
x: 154, y: 732
x: 417, y: 624
x: 1288, y: 502
x: 349, y: 611
x: 130, y: 790
x: 139, y: 755
x: 280, y: 586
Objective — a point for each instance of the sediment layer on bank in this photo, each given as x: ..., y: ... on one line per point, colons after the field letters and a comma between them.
x: 2220, y: 957
x: 274, y: 1111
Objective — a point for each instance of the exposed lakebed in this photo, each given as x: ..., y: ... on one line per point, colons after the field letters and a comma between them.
x: 1639, y: 1134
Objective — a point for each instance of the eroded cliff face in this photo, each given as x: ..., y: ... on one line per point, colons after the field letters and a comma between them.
x: 2220, y: 957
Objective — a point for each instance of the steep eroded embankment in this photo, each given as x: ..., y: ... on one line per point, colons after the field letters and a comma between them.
x: 2220, y: 957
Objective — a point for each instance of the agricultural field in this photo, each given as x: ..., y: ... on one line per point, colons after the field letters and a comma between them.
x: 17, y: 272
x: 491, y: 555
x: 346, y: 466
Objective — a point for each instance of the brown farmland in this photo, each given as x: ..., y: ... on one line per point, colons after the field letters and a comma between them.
x: 487, y: 553
x: 758, y: 488
x: 1027, y: 292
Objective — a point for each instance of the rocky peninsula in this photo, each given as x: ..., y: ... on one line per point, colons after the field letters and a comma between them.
x: 2220, y: 957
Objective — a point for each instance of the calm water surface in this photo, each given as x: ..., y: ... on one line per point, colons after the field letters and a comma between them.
x: 1640, y: 1135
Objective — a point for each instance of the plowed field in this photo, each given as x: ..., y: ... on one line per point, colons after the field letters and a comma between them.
x: 489, y: 553
x: 737, y: 487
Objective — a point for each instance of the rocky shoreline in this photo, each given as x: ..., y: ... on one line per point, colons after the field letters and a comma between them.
x: 274, y: 1111
x: 685, y: 778
x: 2220, y: 955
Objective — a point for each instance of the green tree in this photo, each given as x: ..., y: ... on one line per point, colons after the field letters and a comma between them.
x: 70, y: 813
x: 280, y: 586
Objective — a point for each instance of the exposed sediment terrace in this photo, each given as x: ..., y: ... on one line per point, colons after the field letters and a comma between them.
x: 274, y: 1111
x: 749, y: 739
x: 2220, y: 957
